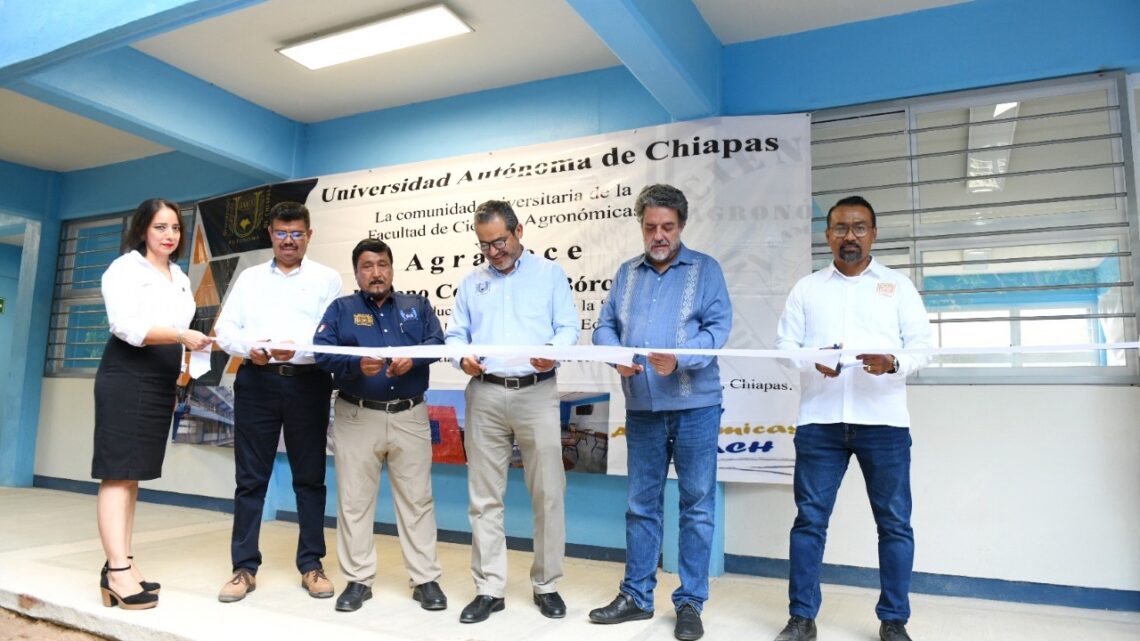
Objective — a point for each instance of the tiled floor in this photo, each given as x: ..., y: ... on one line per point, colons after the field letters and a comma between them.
x: 50, y: 557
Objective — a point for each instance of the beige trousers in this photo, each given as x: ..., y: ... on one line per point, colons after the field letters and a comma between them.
x: 363, y: 440
x: 496, y: 418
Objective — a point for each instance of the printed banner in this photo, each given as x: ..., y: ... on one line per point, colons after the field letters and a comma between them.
x: 747, y: 180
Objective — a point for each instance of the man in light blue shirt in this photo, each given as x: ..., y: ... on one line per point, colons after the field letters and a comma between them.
x: 514, y: 298
x: 668, y: 297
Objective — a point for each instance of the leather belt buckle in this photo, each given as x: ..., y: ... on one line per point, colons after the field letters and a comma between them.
x: 512, y: 382
x: 397, y: 406
x: 287, y: 369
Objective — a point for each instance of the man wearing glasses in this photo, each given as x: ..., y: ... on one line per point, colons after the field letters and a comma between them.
x: 514, y: 298
x: 381, y: 416
x: 279, y: 391
x: 857, y: 407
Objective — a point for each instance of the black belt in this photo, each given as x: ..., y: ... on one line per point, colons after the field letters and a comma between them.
x: 516, y: 382
x: 284, y: 369
x: 384, y: 406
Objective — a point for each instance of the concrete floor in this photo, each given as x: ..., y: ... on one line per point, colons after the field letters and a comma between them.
x: 50, y: 557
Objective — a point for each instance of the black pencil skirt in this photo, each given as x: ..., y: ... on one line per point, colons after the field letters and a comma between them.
x: 135, y: 391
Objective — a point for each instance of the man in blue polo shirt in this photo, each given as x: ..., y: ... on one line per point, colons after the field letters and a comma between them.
x: 669, y: 297
x: 381, y: 415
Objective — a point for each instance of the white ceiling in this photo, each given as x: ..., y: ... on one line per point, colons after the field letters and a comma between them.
x: 513, y: 42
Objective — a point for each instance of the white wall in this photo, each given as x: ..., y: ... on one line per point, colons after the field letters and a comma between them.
x: 64, y: 444
x: 1033, y: 483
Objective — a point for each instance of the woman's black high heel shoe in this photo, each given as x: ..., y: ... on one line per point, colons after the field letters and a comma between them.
x: 141, y: 601
x: 147, y: 586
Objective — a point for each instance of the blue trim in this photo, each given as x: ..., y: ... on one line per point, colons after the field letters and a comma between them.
x: 521, y: 544
x: 160, y: 497
x: 949, y: 585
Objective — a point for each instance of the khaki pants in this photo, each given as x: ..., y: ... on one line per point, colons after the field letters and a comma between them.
x: 495, y: 418
x: 362, y: 440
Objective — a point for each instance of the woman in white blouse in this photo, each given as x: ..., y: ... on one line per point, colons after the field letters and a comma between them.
x: 149, y: 307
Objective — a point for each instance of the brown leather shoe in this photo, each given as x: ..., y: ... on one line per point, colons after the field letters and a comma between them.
x: 317, y: 584
x: 239, y: 585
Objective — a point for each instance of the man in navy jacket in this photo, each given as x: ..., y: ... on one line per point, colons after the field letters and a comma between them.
x: 381, y: 415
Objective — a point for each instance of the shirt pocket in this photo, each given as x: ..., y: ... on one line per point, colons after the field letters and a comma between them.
x: 412, y: 330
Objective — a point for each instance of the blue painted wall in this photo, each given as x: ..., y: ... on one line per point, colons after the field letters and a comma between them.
x: 121, y: 187
x: 537, y: 112
x: 9, y: 280
x: 24, y: 191
x: 964, y: 46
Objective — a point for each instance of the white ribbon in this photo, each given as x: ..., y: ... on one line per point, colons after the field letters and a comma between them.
x: 624, y: 355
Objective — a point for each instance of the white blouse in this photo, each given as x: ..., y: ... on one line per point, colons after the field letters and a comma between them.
x: 139, y: 297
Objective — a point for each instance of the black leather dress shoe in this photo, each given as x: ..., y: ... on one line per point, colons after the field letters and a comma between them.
x: 893, y: 631
x: 481, y: 608
x: 798, y: 629
x: 550, y: 604
x: 620, y: 610
x: 430, y: 596
x: 354, y: 596
x: 688, y: 626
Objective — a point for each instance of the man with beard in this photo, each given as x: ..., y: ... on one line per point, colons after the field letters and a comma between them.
x: 514, y: 298
x: 381, y: 415
x: 279, y: 391
x: 857, y: 407
x: 670, y: 297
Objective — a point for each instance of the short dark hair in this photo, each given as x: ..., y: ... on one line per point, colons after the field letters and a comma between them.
x: 144, y: 214
x: 501, y: 208
x: 370, y: 245
x: 852, y: 201
x: 288, y: 211
x: 661, y: 195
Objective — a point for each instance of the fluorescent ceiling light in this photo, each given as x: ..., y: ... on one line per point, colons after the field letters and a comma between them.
x: 406, y: 30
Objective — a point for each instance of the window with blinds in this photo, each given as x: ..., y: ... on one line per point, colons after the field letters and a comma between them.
x: 79, y: 329
x: 1009, y: 209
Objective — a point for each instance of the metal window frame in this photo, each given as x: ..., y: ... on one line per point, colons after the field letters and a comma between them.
x: 1123, y: 93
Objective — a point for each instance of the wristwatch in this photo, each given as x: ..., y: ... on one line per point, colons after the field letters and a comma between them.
x: 894, y: 364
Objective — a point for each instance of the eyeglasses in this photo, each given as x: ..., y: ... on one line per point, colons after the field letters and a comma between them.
x: 859, y: 230
x: 296, y: 234
x: 499, y: 244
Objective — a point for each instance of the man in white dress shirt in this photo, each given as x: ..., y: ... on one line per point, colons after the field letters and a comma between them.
x: 278, y: 391
x: 857, y: 406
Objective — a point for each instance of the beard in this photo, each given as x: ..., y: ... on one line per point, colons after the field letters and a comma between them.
x: 378, y: 290
x: 851, y: 253
x: 660, y: 253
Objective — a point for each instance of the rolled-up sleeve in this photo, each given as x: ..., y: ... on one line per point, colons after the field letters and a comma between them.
x: 123, y: 298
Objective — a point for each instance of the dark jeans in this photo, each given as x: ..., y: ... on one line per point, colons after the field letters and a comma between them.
x: 822, y: 453
x: 264, y: 404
